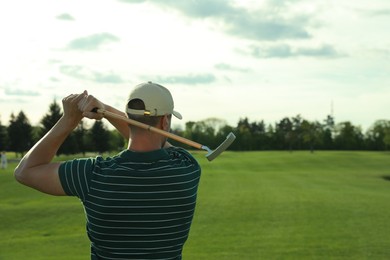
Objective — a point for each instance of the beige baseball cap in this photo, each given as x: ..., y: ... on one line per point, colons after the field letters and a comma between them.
x: 157, y: 99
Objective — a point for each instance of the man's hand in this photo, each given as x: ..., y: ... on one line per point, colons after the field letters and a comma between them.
x: 72, y: 114
x: 89, y: 102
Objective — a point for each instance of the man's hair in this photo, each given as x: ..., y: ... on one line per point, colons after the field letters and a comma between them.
x: 138, y: 104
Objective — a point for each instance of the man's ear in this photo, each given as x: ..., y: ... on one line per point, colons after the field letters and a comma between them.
x: 165, y: 123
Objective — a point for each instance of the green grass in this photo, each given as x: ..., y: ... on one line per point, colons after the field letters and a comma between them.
x: 251, y: 205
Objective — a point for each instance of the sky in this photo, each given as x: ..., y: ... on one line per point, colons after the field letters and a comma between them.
x: 264, y: 60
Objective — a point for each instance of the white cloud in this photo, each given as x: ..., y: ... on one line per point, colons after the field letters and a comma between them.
x: 21, y: 92
x: 287, y: 51
x: 81, y: 73
x: 65, y: 17
x: 266, y: 23
x: 91, y: 42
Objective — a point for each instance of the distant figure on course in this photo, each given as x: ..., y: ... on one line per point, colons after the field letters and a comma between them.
x: 4, y: 162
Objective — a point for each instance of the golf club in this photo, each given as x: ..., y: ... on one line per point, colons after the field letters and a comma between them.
x: 211, y: 154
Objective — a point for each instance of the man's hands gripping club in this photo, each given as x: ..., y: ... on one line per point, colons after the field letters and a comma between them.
x: 89, y: 102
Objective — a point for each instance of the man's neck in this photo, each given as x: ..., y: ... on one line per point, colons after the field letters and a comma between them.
x: 145, y: 143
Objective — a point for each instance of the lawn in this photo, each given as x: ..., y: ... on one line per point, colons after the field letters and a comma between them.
x: 251, y: 205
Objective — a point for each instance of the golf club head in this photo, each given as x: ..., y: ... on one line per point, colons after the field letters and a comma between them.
x: 222, y: 147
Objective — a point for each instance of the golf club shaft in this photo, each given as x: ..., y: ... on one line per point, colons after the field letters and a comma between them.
x: 180, y: 139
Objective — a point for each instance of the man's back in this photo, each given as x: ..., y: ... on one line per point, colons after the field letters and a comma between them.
x: 138, y: 205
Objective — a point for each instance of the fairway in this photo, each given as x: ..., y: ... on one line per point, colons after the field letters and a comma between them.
x: 251, y: 205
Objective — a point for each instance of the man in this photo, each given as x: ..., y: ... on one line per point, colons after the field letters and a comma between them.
x: 140, y: 203
x: 4, y: 161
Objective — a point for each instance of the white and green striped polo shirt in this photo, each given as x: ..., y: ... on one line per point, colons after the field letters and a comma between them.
x: 138, y: 205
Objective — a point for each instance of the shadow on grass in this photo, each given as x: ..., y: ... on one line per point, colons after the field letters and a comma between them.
x: 386, y: 177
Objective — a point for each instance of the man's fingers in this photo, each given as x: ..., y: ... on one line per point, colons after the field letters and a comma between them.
x: 72, y: 99
x: 78, y: 97
x: 84, y: 102
x: 93, y: 115
x: 87, y: 103
x: 88, y: 114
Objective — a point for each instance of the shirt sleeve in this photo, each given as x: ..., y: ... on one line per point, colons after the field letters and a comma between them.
x: 188, y: 156
x: 75, y: 177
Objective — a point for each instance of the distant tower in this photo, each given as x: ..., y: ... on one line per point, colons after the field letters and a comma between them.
x: 332, y: 109
x: 331, y: 121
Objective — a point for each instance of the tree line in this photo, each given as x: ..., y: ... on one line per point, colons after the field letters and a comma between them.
x: 290, y: 133
x: 20, y: 135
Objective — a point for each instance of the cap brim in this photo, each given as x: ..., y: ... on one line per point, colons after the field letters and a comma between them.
x: 177, y: 115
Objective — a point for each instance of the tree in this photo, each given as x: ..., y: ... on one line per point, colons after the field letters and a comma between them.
x: 311, y: 133
x: 100, y: 137
x: 386, y: 139
x: 3, y: 138
x: 284, y: 134
x: 51, y: 118
x: 378, y: 136
x: 205, y: 132
x: 328, y: 133
x: 244, y: 135
x: 259, y: 135
x: 116, y: 141
x: 69, y: 146
x: 79, y: 136
x: 188, y: 131
x: 271, y: 137
x: 348, y: 136
x: 74, y: 142
x: 252, y: 136
x: 20, y: 133
x: 202, y: 131
x: 297, y: 133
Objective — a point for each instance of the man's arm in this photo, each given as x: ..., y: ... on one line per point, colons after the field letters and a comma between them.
x: 36, y: 168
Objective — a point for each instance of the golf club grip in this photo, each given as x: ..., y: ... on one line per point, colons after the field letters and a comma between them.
x: 183, y: 140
